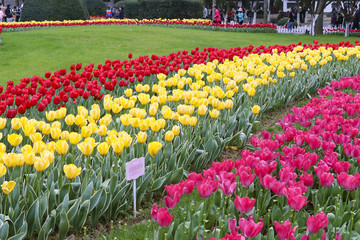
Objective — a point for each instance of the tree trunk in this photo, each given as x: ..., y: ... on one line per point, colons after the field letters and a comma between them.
x: 314, y: 17
x: 212, y: 11
x: 17, y: 3
x: 266, y: 6
x: 319, y: 24
x: 347, y: 24
x: 254, y: 18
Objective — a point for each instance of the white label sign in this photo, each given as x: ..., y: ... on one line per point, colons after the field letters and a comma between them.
x: 135, y: 168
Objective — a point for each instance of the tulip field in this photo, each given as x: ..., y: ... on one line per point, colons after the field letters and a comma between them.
x: 67, y: 135
x: 300, y: 184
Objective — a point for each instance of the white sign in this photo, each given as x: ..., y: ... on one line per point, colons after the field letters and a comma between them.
x: 135, y: 168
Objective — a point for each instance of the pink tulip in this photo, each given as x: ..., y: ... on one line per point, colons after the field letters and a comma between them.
x: 244, y: 204
x: 284, y: 230
x: 249, y: 228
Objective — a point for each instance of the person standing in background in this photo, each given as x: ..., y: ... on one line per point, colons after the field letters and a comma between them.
x: 2, y: 13
x: 356, y: 18
x: 121, y: 13
x: 250, y: 15
x: 17, y: 13
x: 291, y: 20
x: 108, y: 13
x: 240, y: 16
x: 9, y: 14
x: 217, y: 16
x: 205, y: 13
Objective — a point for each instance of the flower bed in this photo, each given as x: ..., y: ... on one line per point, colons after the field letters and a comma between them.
x: 300, y: 184
x: 188, y: 23
x: 62, y: 162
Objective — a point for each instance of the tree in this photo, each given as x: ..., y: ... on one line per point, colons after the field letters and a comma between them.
x: 346, y: 8
x: 316, y: 10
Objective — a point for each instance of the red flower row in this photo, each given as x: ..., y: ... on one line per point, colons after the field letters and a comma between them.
x: 64, y: 85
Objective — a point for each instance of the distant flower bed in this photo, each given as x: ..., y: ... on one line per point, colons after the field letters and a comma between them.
x: 193, y: 23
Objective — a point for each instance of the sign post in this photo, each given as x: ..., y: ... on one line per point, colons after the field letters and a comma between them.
x: 134, y: 169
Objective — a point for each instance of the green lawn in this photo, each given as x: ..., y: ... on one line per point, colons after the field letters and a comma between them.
x: 28, y: 53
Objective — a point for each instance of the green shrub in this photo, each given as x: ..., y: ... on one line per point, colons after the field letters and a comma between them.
x: 120, y: 4
x: 54, y: 10
x: 284, y: 20
x: 170, y: 9
x: 96, y: 7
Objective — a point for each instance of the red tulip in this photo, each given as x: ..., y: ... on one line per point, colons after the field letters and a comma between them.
x: 11, y: 113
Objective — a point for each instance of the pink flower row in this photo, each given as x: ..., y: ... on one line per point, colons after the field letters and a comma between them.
x: 327, y: 133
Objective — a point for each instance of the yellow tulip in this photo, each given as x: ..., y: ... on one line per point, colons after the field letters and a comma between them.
x: 83, y: 111
x: 64, y: 135
x: 55, y: 133
x: 103, y: 148
x: 14, y: 139
x: 176, y: 130
x: 169, y: 136
x: 41, y: 164
x: 214, y: 113
x: 56, y: 124
x: 184, y: 120
x: 141, y: 137
x: 62, y: 147
x: 125, y: 119
x: 49, y: 155
x: 256, y: 109
x: 128, y: 92
x: 116, y: 108
x: 2, y: 123
x: 36, y: 137
x: 70, y: 120
x: 7, y: 187
x: 155, y: 126
x: 252, y: 92
x: 117, y: 146
x: 51, y: 146
x: 102, y: 130
x: 202, y: 110
x: 20, y: 160
x: 50, y: 116
x: 38, y: 147
x: 2, y: 170
x: 143, y: 125
x: 228, y: 104
x: 80, y: 120
x: 71, y: 171
x: 16, y: 124
x: 74, y: 138
x: 193, y: 121
x: 154, y: 147
x: 85, y: 132
x: 46, y: 129
x: 95, y: 113
x: 2, y: 148
x: 126, y: 138
x: 86, y: 148
x: 30, y: 158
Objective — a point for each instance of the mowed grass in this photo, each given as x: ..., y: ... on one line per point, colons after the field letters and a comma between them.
x: 29, y: 53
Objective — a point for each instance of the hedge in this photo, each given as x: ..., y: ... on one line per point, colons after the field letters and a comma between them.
x: 170, y: 9
x: 96, y: 7
x: 54, y: 10
x: 284, y: 20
